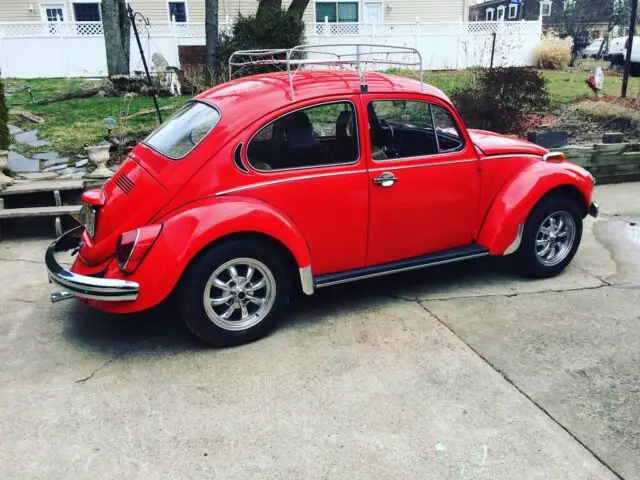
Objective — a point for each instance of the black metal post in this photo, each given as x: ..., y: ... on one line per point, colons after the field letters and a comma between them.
x: 627, y: 62
x: 493, y: 48
x: 144, y: 61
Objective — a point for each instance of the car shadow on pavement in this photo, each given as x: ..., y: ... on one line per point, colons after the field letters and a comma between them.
x: 160, y: 330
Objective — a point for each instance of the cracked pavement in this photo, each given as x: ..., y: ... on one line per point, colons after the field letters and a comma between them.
x: 457, y: 372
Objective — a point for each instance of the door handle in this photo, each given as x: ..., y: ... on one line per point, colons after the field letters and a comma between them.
x: 387, y: 179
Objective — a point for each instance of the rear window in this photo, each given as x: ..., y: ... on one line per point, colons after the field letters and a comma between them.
x: 184, y: 130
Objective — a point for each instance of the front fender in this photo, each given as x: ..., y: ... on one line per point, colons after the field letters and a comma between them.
x: 189, y: 229
x: 517, y: 198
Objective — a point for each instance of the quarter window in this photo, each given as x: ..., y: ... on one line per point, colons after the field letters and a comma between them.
x: 405, y: 128
x: 184, y: 130
x: 312, y: 137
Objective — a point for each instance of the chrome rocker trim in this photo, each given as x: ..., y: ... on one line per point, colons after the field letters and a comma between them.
x: 105, y: 289
x: 594, y: 209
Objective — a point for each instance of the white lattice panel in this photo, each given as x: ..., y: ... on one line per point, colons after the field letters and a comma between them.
x: 396, y: 28
x: 439, y: 28
x: 84, y: 28
x: 17, y: 30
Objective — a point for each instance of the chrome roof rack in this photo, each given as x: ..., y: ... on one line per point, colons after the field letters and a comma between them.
x: 358, y: 57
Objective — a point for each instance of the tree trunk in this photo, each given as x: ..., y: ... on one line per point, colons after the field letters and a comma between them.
x: 117, y: 35
x: 212, y: 63
x: 266, y: 5
x: 298, y: 7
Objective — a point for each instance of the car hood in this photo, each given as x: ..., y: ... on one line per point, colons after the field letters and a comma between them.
x: 496, y: 144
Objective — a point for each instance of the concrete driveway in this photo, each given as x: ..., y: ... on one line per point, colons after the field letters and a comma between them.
x: 460, y: 372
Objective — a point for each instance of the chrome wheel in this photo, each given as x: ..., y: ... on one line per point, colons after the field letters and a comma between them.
x: 555, y: 238
x: 239, y: 294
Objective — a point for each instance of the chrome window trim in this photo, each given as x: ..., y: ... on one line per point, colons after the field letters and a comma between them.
x: 143, y: 142
x: 357, y: 129
x: 418, y: 165
x: 510, y: 155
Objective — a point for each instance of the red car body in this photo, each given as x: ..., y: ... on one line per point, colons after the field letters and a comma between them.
x: 329, y: 219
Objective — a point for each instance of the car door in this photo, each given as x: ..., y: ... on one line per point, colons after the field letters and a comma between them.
x: 423, y: 178
x: 310, y: 167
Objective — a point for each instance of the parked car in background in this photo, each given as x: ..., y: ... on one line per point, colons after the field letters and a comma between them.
x: 618, y: 49
x: 593, y: 49
x: 277, y: 183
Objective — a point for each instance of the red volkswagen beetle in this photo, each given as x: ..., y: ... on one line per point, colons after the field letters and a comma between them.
x: 270, y: 184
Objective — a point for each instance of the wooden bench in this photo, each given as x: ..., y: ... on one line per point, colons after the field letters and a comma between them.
x: 57, y: 210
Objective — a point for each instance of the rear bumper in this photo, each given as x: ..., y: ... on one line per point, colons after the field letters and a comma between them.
x: 82, y: 286
x: 594, y: 209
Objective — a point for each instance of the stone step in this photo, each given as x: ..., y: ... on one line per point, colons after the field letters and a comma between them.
x: 40, y: 211
x: 42, y: 186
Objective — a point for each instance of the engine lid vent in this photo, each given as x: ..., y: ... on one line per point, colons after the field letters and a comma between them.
x: 124, y: 183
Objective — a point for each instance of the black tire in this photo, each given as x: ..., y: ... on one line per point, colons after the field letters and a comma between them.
x: 191, y: 291
x: 527, y: 259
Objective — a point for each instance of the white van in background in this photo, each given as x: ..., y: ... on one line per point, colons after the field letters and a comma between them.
x: 618, y: 50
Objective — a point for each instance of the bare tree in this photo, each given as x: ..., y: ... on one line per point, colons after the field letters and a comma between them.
x: 297, y: 6
x: 211, y: 41
x: 117, y: 34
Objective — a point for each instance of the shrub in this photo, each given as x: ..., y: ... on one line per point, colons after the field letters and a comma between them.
x: 272, y: 29
x: 553, y: 53
x: 4, y: 119
x: 500, y: 99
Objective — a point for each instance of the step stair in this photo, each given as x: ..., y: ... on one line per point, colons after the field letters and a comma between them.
x: 23, y: 192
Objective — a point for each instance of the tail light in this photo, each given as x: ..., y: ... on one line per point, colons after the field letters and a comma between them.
x: 93, y: 200
x: 134, y: 245
x: 554, y: 157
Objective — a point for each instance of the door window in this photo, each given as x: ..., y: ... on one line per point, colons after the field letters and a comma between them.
x: 372, y: 12
x: 316, y: 136
x: 408, y: 128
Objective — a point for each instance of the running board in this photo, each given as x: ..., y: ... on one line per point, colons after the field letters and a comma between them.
x: 446, y: 256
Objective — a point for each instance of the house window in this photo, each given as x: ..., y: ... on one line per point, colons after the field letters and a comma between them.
x: 513, y: 10
x: 545, y: 8
x: 501, y: 10
x: 337, y: 11
x: 178, y: 11
x: 490, y: 14
x: 86, y: 12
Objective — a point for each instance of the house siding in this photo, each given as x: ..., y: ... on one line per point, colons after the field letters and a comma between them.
x: 157, y: 10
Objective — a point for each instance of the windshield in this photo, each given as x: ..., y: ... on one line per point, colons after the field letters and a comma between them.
x: 184, y: 130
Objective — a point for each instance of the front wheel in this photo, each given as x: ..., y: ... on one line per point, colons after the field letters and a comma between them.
x: 551, y: 237
x: 235, y: 292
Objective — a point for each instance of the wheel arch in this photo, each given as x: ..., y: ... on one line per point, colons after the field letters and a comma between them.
x: 254, y: 236
x: 503, y: 225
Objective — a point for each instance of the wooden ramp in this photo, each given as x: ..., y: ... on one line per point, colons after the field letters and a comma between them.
x: 25, y: 191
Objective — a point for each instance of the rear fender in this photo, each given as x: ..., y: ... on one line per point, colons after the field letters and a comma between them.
x: 192, y: 228
x: 506, y: 217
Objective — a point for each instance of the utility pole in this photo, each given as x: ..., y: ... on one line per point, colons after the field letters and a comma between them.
x: 632, y: 32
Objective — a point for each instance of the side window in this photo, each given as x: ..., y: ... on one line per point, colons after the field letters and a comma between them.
x: 405, y: 128
x: 320, y: 135
x: 449, y: 138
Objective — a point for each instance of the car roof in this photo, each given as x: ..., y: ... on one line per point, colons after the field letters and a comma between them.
x: 261, y: 94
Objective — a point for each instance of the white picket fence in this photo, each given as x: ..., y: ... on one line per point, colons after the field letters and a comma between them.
x: 76, y: 49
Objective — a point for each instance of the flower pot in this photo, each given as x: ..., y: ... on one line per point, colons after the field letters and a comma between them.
x: 99, y: 154
x: 4, y: 160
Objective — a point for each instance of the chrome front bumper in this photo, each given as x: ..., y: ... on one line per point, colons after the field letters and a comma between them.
x: 594, y: 209
x: 94, y: 288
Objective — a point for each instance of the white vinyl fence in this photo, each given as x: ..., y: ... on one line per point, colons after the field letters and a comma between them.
x: 76, y: 49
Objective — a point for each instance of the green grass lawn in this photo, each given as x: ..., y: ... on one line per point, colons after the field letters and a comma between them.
x: 73, y: 124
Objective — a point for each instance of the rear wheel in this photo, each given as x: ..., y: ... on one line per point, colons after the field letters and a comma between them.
x: 235, y: 292
x: 551, y: 237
